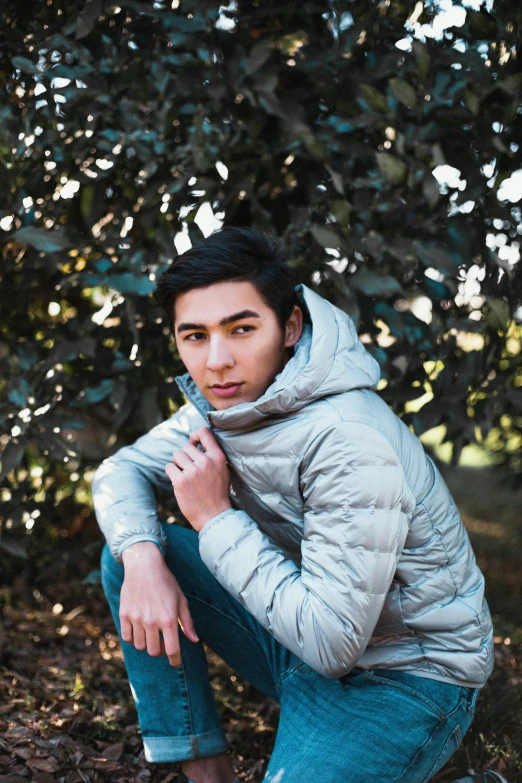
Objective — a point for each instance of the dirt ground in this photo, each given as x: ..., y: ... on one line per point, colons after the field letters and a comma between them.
x: 66, y: 714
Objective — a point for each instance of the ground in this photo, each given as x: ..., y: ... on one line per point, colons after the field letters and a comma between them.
x: 66, y: 714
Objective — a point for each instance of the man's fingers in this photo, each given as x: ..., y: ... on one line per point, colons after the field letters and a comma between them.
x: 126, y: 630
x: 209, y: 443
x: 138, y: 633
x: 171, y: 643
x: 205, y: 437
x: 182, y: 460
x: 153, y: 641
x: 194, y: 454
x: 172, y: 471
x: 185, y: 620
x: 194, y: 436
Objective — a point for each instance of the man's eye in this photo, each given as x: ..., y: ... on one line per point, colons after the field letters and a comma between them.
x: 246, y: 329
x: 195, y: 337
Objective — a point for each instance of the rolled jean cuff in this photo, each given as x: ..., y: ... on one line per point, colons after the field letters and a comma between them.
x: 162, y: 749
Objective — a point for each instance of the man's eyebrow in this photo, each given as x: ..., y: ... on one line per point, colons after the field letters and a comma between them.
x: 184, y: 327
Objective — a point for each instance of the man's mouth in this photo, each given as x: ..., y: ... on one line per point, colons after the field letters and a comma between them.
x: 226, y: 389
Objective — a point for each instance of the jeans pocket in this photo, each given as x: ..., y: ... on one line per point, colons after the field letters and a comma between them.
x: 410, y: 685
x: 472, y: 701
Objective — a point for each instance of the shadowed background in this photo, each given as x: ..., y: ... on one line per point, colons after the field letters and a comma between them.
x: 381, y: 142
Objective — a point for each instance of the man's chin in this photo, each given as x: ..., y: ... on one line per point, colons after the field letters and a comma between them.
x: 223, y: 403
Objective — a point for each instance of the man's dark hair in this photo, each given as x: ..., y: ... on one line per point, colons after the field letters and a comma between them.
x: 232, y: 253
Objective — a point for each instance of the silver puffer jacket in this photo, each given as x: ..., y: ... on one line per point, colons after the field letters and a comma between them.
x: 343, y: 541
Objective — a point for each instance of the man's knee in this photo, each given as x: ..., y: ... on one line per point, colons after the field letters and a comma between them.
x: 182, y: 546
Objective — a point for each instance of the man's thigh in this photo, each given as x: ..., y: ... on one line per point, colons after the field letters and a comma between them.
x: 366, y: 727
x: 221, y: 621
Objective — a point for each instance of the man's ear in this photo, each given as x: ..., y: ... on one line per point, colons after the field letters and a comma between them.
x: 294, y: 327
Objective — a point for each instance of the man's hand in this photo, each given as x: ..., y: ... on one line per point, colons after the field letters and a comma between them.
x: 152, y: 603
x: 201, y: 479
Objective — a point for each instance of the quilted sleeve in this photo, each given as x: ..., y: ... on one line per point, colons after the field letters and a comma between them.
x: 357, y: 508
x: 126, y: 486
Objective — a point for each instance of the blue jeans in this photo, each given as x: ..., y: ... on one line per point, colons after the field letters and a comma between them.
x: 380, y: 725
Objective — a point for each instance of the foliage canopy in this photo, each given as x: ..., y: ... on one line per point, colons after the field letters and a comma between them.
x: 119, y: 121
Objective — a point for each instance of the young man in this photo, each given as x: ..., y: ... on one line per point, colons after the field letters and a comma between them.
x: 327, y: 562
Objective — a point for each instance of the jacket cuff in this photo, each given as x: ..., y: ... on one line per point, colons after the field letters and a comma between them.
x: 136, y: 539
x: 220, y: 534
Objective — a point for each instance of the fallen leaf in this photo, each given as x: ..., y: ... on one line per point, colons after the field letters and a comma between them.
x: 44, y: 765
x: 113, y: 752
x: 24, y: 753
x: 169, y: 777
x: 43, y: 777
x: 106, y: 766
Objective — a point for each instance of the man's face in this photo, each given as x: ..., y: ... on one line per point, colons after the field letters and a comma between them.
x: 231, y: 342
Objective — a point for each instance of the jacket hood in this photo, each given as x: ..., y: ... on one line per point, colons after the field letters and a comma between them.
x: 328, y: 359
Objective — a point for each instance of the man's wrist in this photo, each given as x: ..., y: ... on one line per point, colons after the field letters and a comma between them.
x: 199, y: 524
x: 141, y: 552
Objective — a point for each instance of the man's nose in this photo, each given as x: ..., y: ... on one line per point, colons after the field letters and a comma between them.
x: 219, y: 355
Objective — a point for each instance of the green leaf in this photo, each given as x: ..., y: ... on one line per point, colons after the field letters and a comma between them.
x: 511, y: 84
x: 127, y: 283
x: 430, y: 189
x: 371, y: 284
x: 483, y: 25
x: 70, y: 423
x: 111, y: 134
x: 88, y: 18
x: 258, y: 56
x: 349, y: 124
x: 498, y: 314
x: 86, y: 201
x: 68, y: 350
x: 325, y: 236
x: 25, y: 65
x: 422, y: 59
x: 44, y: 240
x: 27, y: 355
x: 124, y: 282
x: 337, y: 179
x: 10, y: 458
x: 95, y: 394
x: 14, y: 547
x: 472, y: 101
x: 404, y: 92
x: 103, y: 265
x: 198, y: 23
x: 432, y: 256
x: 435, y: 290
x: 341, y: 210
x: 373, y: 98
x: 393, y: 168
x: 18, y: 391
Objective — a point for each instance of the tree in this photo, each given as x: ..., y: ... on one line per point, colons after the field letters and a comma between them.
x: 322, y: 122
